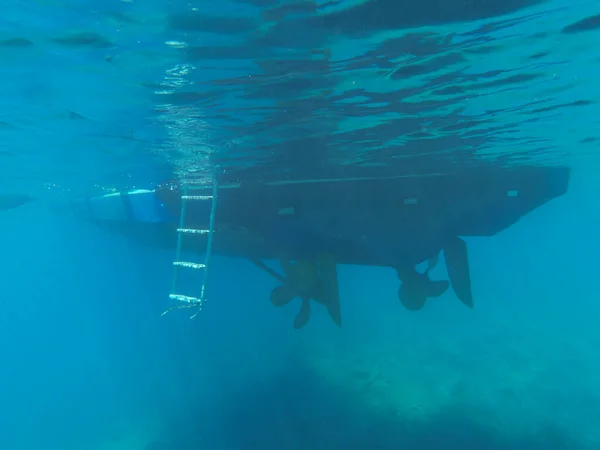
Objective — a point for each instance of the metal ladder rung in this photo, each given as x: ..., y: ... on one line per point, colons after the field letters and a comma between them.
x: 196, y: 197
x: 185, y: 298
x: 189, y: 265
x: 192, y: 231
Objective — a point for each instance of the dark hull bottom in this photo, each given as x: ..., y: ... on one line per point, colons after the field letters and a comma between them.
x: 387, y: 222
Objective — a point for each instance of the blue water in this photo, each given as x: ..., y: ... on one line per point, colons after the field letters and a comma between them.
x: 98, y: 96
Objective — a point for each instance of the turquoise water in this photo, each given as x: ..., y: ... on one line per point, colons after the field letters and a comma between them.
x: 123, y: 94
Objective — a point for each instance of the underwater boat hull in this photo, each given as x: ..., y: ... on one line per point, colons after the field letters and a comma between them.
x: 311, y: 226
x: 375, y: 222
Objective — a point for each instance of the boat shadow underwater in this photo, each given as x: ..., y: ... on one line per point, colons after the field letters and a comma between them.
x: 298, y: 408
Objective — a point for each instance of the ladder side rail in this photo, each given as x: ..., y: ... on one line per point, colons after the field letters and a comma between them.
x: 209, y: 243
x: 179, y: 239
